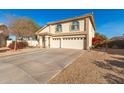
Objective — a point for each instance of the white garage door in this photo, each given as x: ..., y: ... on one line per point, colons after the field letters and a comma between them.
x: 73, y: 42
x: 56, y: 43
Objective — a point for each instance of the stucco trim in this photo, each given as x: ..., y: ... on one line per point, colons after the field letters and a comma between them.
x: 63, y: 34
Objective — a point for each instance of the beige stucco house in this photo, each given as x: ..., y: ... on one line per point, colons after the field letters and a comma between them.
x: 73, y: 33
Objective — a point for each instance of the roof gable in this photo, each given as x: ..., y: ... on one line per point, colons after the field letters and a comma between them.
x: 90, y: 16
x: 75, y: 18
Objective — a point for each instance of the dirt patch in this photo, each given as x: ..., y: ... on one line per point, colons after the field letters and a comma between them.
x: 92, y: 68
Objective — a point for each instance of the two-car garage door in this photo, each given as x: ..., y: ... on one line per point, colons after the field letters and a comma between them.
x: 70, y: 42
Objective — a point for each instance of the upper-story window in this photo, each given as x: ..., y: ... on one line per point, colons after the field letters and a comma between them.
x: 74, y: 25
x: 58, y: 28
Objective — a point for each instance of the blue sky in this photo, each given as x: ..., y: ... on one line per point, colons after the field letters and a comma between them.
x: 108, y: 22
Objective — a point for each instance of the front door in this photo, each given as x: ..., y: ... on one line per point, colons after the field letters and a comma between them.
x: 43, y: 41
x: 60, y: 43
x: 85, y: 43
x: 49, y: 42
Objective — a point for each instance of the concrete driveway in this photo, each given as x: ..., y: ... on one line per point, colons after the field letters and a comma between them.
x: 35, y: 66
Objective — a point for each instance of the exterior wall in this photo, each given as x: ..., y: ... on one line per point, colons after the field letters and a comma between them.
x: 30, y: 42
x: 66, y: 27
x: 46, y: 29
x: 40, y: 40
x: 8, y: 42
x: 47, y: 41
x: 81, y: 25
x: 91, y: 33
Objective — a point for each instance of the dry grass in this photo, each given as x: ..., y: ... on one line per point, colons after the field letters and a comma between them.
x: 93, y: 67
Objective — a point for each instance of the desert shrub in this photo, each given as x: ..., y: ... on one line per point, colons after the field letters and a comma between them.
x: 99, y: 45
x: 19, y: 45
x: 116, y: 44
x: 99, y: 40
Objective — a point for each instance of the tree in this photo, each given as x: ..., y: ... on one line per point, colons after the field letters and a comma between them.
x: 101, y: 36
x: 23, y: 27
x: 96, y: 40
x: 99, y: 39
x: 4, y: 31
x: 3, y: 34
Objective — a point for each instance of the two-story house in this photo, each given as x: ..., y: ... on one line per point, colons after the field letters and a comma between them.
x: 73, y: 33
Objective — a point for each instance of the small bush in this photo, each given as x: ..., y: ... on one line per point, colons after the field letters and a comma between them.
x: 19, y: 45
x: 97, y: 45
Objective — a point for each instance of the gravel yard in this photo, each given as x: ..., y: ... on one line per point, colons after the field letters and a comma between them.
x: 94, y: 67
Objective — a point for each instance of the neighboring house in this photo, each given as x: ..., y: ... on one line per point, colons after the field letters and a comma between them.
x: 73, y: 33
x: 3, y: 35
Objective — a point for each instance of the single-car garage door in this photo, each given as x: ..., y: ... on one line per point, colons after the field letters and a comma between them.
x: 73, y: 42
x: 56, y: 43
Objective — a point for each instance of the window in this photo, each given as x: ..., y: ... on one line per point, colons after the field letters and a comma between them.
x: 74, y: 25
x: 58, y: 28
x: 74, y: 38
x: 81, y: 38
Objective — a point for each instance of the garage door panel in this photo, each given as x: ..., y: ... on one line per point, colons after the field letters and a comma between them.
x: 55, y: 44
x: 74, y: 44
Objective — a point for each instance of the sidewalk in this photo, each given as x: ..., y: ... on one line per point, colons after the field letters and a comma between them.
x: 12, y: 52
